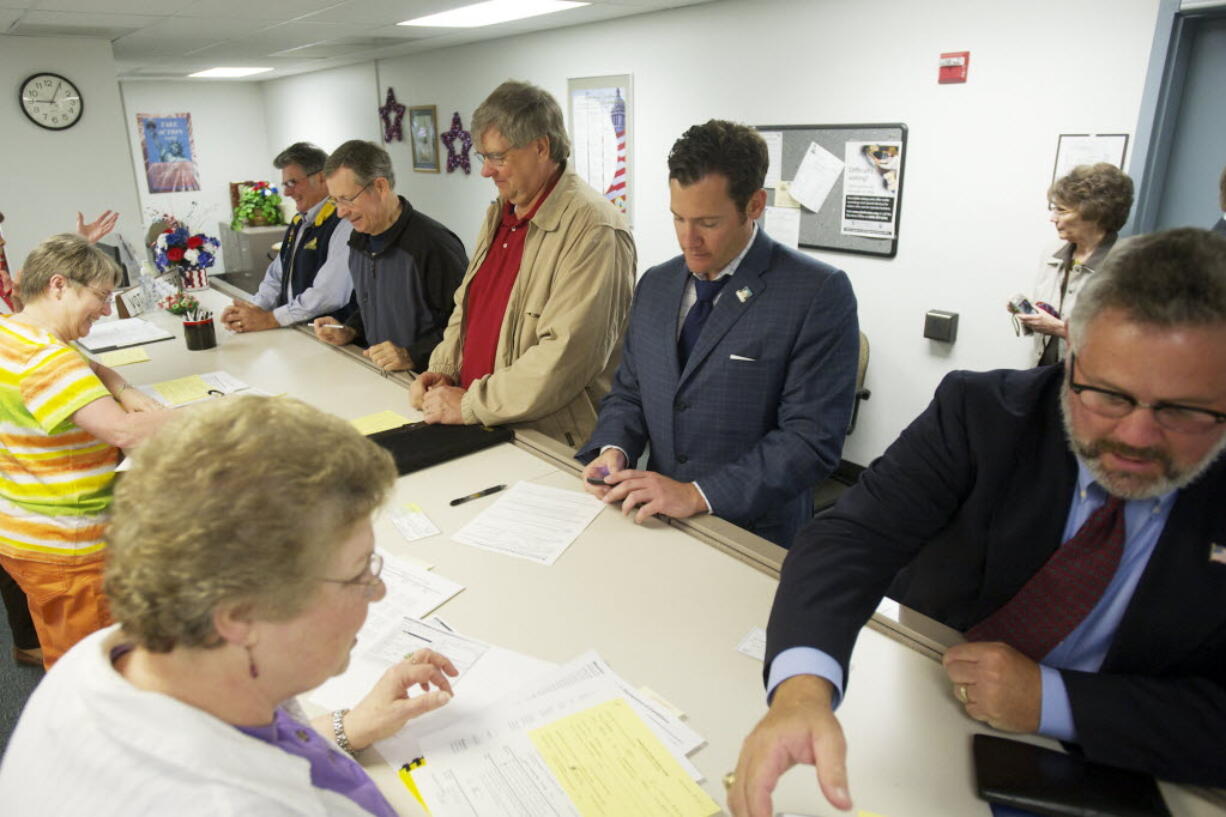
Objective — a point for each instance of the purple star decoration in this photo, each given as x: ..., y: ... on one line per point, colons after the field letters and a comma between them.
x: 392, y: 114
x: 458, y: 157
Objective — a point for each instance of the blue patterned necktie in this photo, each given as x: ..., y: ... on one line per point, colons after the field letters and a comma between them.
x: 698, y: 314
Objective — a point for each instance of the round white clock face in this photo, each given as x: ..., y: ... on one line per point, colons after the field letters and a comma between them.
x: 51, y: 101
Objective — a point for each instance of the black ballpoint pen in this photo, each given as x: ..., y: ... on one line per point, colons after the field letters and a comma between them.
x: 477, y: 495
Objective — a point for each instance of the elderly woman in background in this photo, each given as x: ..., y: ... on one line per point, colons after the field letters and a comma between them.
x: 63, y: 420
x: 242, y: 565
x: 1088, y: 207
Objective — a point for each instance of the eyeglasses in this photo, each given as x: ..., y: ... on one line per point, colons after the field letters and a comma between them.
x: 368, y: 579
x: 1171, y: 416
x: 289, y: 184
x: 349, y: 201
x: 496, y: 159
x: 103, y: 294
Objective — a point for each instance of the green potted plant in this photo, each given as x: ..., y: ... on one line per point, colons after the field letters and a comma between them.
x: 259, y: 205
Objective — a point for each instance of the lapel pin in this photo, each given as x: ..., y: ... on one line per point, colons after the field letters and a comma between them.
x: 1217, y: 553
x: 744, y: 294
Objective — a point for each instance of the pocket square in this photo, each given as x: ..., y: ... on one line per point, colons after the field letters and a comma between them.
x: 742, y: 357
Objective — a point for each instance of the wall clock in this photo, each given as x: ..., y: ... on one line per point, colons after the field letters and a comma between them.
x: 51, y: 101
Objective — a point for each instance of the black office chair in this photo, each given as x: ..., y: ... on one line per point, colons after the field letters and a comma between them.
x: 846, y: 473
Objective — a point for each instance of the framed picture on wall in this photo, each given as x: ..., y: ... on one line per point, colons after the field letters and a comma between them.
x: 169, y: 149
x: 423, y: 134
x: 601, y: 134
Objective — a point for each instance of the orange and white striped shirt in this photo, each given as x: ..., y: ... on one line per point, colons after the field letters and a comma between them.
x: 55, y: 478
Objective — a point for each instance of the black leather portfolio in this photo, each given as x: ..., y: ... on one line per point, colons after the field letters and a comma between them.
x: 420, y: 445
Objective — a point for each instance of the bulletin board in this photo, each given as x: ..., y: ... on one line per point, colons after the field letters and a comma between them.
x: 836, y: 187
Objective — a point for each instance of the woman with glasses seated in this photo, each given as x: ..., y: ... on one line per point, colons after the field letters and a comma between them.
x: 63, y: 419
x: 241, y: 567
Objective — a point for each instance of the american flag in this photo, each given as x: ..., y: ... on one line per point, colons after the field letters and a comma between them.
x: 617, y: 189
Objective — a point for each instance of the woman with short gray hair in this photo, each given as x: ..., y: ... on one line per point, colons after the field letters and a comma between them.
x: 63, y: 419
x: 242, y: 566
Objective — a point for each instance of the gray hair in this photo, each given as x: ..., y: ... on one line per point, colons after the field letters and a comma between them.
x: 69, y: 255
x: 1170, y: 279
x: 522, y: 112
x: 238, y: 501
x: 367, y: 160
x: 311, y: 158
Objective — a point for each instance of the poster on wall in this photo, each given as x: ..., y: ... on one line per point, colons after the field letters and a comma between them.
x: 870, y: 188
x: 601, y: 126
x: 169, y: 149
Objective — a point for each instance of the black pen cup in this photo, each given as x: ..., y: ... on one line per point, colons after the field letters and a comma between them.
x: 199, y: 334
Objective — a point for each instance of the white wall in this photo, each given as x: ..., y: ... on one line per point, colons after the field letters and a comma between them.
x: 974, y: 218
x: 326, y: 107
x: 47, y: 176
x: 230, y: 134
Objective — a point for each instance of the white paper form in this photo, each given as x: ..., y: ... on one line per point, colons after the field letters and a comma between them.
x: 672, y: 732
x: 532, y: 522
x: 412, y: 635
x: 412, y: 592
x: 197, y: 388
x: 783, y: 225
x: 487, y: 766
x: 818, y: 172
x: 753, y: 644
x: 376, y: 652
x: 412, y: 522
x: 774, y: 151
x: 484, y: 684
x: 107, y: 335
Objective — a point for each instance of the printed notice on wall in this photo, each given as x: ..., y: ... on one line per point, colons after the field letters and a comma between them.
x: 870, y: 188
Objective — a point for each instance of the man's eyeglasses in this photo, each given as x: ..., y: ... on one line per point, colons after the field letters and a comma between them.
x: 496, y: 159
x: 1171, y: 416
x: 348, y: 201
x: 289, y: 184
x: 368, y: 579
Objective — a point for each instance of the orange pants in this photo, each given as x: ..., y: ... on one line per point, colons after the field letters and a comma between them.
x: 66, y: 601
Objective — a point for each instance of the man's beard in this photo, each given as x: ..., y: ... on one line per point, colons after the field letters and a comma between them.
x: 1128, y: 485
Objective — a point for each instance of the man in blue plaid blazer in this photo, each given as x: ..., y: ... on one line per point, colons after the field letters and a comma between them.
x: 739, y: 364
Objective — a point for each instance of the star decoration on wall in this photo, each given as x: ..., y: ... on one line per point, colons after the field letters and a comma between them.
x: 392, y: 114
x: 457, y: 156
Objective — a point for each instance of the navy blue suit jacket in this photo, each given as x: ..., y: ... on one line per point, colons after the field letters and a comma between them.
x: 964, y: 508
x: 759, y: 412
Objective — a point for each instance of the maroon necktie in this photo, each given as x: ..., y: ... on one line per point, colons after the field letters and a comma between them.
x: 1064, y: 591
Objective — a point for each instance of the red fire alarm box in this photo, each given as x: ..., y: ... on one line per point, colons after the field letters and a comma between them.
x: 953, y: 67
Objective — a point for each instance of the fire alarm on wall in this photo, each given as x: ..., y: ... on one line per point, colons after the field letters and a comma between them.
x: 953, y: 67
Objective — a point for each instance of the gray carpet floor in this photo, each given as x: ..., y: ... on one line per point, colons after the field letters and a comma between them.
x: 17, y: 681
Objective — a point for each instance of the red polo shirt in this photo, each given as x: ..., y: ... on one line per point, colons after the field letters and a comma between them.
x: 486, y: 303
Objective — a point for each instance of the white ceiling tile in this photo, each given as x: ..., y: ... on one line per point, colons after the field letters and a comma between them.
x: 386, y: 12
x: 160, y: 8
x: 279, y: 10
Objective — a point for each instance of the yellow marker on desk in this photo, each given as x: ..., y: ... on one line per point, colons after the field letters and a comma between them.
x: 406, y: 777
